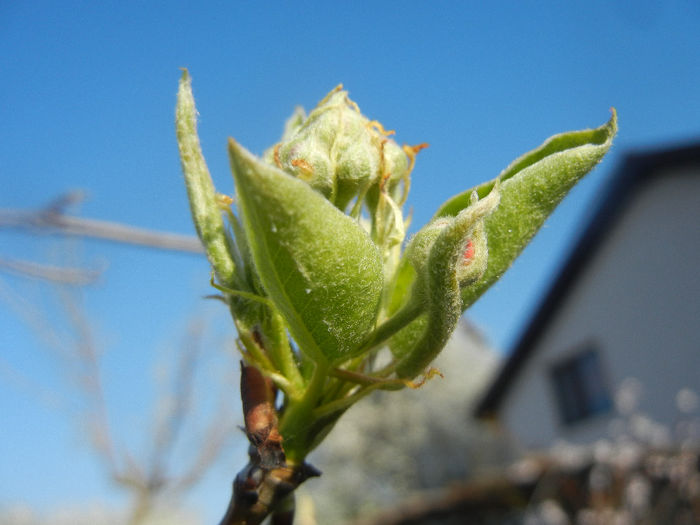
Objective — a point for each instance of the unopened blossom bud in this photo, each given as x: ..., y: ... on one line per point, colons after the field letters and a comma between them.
x: 338, y: 151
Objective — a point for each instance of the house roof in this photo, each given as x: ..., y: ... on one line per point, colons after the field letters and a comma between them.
x: 635, y: 171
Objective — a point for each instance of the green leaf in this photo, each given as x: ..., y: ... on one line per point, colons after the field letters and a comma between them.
x: 317, y: 265
x: 437, y: 253
x: 206, y: 213
x: 531, y: 188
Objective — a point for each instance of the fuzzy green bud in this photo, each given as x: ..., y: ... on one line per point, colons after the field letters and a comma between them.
x: 338, y: 151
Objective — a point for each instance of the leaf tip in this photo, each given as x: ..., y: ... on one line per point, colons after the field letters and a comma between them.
x: 239, y: 157
x: 185, y: 85
x: 612, y: 123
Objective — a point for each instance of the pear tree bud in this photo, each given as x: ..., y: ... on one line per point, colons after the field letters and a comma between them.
x: 338, y: 151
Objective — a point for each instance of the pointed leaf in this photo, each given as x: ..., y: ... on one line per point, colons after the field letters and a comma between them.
x: 318, y: 265
x: 206, y: 213
x: 531, y: 188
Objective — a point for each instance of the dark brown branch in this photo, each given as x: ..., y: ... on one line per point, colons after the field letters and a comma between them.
x: 258, y: 492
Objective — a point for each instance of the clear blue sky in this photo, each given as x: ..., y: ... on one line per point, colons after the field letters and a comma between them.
x: 87, y: 98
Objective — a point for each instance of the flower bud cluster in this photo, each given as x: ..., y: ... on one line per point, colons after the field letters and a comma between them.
x: 339, y: 152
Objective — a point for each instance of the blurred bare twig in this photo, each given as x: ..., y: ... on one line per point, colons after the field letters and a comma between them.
x: 58, y: 274
x: 52, y: 219
x: 165, y: 469
x: 158, y: 474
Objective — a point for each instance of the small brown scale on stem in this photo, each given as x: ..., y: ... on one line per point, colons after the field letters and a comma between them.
x: 258, y: 396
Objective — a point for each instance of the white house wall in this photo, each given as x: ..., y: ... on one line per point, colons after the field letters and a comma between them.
x: 638, y: 303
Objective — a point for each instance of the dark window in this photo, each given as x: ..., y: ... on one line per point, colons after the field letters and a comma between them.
x: 580, y: 387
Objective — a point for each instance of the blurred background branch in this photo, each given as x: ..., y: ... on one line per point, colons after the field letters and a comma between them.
x: 180, y: 444
x: 53, y: 219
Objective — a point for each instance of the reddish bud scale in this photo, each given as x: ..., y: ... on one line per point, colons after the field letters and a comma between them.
x: 468, y: 252
x: 257, y: 394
